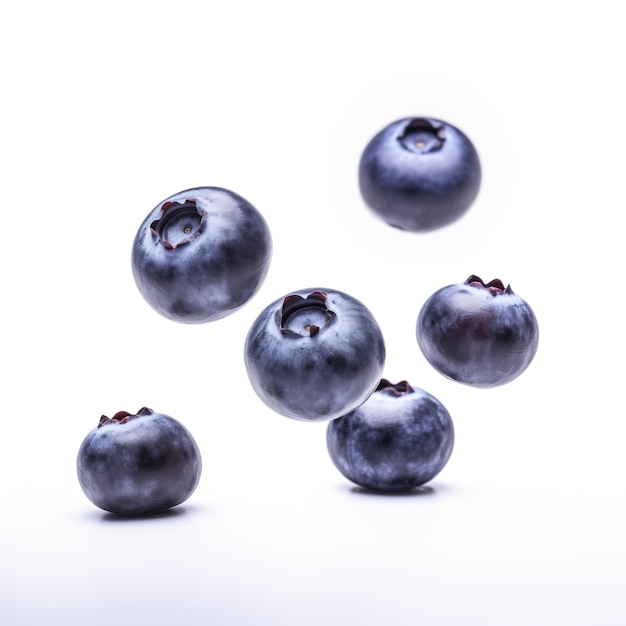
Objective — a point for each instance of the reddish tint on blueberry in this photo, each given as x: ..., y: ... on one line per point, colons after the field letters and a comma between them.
x: 201, y: 254
x: 419, y: 174
x: 477, y: 333
x: 314, y: 354
x: 135, y: 464
x: 400, y: 438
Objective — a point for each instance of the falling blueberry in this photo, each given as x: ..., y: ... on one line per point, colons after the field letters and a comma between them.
x: 314, y: 354
x: 201, y: 254
x: 419, y: 174
x: 477, y: 333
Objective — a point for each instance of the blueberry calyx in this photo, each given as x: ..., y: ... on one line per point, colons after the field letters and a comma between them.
x: 121, y: 417
x: 495, y: 286
x: 180, y: 223
x: 422, y: 137
x: 399, y: 389
x: 308, y: 314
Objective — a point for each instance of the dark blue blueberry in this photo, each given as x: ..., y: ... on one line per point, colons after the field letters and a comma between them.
x: 400, y: 438
x: 314, y: 354
x: 478, y: 334
x: 419, y: 174
x: 201, y: 254
x: 138, y: 464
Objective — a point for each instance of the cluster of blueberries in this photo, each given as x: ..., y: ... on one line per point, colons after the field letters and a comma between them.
x: 316, y: 354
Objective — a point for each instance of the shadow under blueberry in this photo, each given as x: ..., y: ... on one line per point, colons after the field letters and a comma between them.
x: 423, y: 490
x: 176, y: 512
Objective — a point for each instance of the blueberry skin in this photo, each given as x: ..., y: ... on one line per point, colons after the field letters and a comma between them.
x: 315, y: 354
x: 419, y: 174
x: 399, y: 439
x: 201, y: 254
x: 138, y: 464
x: 482, y: 335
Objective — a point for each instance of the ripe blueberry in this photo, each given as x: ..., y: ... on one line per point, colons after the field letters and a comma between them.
x: 399, y: 438
x: 201, y: 254
x: 133, y: 464
x: 478, y: 334
x: 314, y: 354
x: 419, y: 174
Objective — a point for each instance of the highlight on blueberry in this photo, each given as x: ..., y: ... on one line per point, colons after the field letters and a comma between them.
x: 201, y: 254
x: 400, y: 438
x: 134, y: 464
x: 476, y: 333
x: 419, y: 174
x: 314, y: 354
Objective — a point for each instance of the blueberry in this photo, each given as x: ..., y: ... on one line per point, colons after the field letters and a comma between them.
x: 398, y: 439
x: 137, y: 464
x: 201, y: 254
x: 478, y: 334
x: 419, y: 174
x: 314, y: 354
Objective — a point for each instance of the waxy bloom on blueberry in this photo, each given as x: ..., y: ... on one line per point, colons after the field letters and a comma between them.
x: 314, y: 354
x: 201, y: 254
x: 133, y: 464
x: 419, y: 174
x: 477, y: 333
x: 399, y: 438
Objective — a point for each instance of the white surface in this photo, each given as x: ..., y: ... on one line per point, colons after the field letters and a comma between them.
x: 108, y: 109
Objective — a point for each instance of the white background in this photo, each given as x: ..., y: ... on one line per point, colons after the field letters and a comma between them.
x: 108, y: 108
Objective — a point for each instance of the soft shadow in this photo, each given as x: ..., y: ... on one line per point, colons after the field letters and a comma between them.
x: 423, y: 490
x: 176, y: 512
